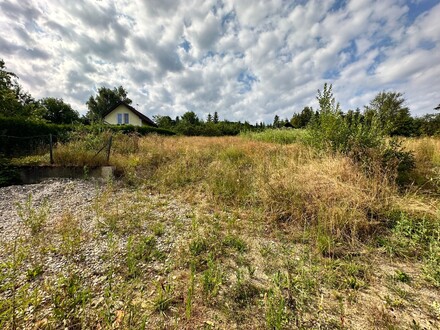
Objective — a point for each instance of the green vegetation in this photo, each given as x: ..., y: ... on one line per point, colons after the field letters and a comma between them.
x: 333, y: 226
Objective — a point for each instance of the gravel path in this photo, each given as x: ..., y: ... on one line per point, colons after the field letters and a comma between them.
x: 61, y: 195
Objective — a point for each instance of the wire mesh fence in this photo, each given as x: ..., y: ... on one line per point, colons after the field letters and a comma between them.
x: 38, y: 145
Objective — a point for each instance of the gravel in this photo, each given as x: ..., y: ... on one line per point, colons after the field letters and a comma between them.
x: 78, y: 198
x: 62, y: 195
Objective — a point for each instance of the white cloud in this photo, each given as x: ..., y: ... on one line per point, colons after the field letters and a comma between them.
x: 289, y: 49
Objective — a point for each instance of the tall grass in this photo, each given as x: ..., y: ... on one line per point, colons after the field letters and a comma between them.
x: 330, y: 194
x: 281, y: 136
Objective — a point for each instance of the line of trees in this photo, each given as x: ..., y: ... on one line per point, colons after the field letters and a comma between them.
x: 389, y: 108
x: 14, y: 102
x: 191, y: 125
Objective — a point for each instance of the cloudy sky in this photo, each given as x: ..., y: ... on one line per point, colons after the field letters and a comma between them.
x: 245, y: 59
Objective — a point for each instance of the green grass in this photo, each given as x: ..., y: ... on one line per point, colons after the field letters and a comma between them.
x: 281, y: 136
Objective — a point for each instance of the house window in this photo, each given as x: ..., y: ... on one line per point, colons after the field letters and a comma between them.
x: 119, y: 118
x: 126, y: 118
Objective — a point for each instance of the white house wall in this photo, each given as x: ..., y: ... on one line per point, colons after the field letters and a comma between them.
x: 112, y: 117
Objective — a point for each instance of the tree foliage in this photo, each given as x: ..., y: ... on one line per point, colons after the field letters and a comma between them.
x: 59, y: 112
x: 333, y: 130
x: 394, y: 116
x: 13, y: 100
x: 301, y: 120
x: 104, y: 100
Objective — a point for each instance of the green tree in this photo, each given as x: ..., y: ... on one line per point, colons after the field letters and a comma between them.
x: 394, y: 117
x: 13, y: 100
x: 300, y: 120
x: 330, y: 129
x: 164, y: 121
x: 190, y: 117
x: 104, y: 100
x: 276, y: 121
x: 209, y: 119
x: 9, y: 93
x: 327, y: 103
x: 215, y: 119
x: 59, y: 112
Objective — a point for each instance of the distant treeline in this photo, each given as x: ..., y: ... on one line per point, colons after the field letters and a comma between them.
x: 388, y: 108
x: 190, y: 124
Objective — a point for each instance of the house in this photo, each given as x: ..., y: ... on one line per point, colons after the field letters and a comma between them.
x: 124, y: 114
x: 288, y: 124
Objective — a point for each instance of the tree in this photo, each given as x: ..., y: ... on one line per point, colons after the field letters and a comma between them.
x: 437, y: 107
x: 104, y: 100
x: 215, y: 119
x: 327, y: 102
x: 300, y: 120
x: 9, y: 102
x: 394, y: 117
x: 59, y: 112
x: 13, y: 100
x: 276, y: 121
x: 190, y: 118
x: 164, y: 121
x: 209, y: 119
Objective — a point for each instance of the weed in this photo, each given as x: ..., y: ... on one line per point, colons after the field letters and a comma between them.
x: 34, y: 272
x: 431, y: 267
x: 198, y: 246
x: 275, y: 314
x: 164, y: 298
x: 158, y: 229
x: 243, y: 292
x: 33, y: 217
x: 212, y: 279
x: 69, y: 300
x: 401, y: 276
x: 71, y: 234
x: 139, y: 249
x: 235, y: 243
x: 190, y: 293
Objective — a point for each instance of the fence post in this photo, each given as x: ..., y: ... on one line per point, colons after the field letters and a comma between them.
x: 108, y: 149
x: 51, y: 148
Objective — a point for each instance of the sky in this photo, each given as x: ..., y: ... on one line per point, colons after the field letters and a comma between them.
x: 249, y: 60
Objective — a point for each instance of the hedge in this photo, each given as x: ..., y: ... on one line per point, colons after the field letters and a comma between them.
x: 20, y: 136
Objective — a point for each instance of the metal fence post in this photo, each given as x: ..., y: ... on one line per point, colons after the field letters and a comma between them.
x: 108, y: 149
x: 51, y: 148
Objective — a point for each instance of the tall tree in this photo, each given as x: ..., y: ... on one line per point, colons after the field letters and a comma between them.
x: 300, y: 120
x: 164, y: 121
x: 59, y: 112
x: 326, y: 100
x: 393, y: 114
x: 104, y: 100
x: 190, y: 118
x: 276, y: 121
x: 215, y: 119
x: 13, y: 100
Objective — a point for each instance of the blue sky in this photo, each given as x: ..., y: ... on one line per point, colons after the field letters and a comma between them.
x: 246, y: 59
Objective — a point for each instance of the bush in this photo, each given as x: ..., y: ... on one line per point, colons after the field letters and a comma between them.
x: 15, y: 135
x: 362, y: 140
x: 8, y: 173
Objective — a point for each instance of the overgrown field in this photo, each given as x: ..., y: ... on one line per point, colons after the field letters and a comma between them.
x: 234, y: 232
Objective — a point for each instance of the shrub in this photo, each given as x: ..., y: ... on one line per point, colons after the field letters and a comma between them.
x: 15, y: 132
x: 362, y: 140
x: 8, y: 173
